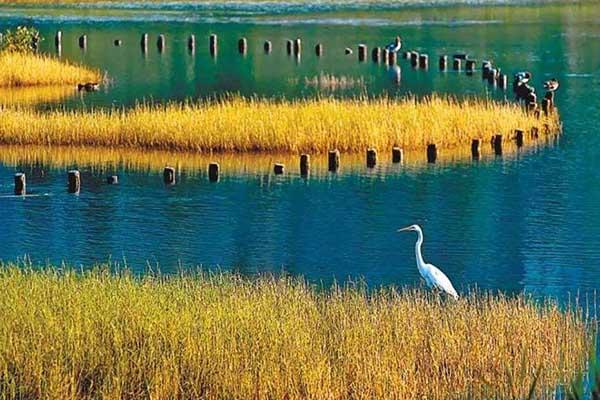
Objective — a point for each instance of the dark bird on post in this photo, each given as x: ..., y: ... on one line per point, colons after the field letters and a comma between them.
x: 551, y: 85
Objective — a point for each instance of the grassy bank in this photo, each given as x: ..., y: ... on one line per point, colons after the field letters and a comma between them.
x: 100, y: 335
x: 242, y: 125
x: 25, y: 69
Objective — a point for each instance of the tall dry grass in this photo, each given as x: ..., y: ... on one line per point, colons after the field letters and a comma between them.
x: 97, y: 335
x: 257, y: 125
x: 34, y: 95
x: 25, y: 69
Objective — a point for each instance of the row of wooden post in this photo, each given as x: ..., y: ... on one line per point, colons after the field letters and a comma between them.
x: 333, y: 163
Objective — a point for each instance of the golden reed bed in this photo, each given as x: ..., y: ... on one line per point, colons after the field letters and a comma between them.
x: 256, y: 125
x: 98, y: 335
x: 35, y: 95
x: 24, y: 69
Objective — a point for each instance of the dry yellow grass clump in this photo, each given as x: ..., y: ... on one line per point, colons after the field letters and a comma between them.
x: 34, y: 95
x: 24, y: 69
x: 258, y: 125
x: 98, y: 335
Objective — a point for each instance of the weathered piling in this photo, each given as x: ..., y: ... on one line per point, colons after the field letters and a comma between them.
x: 289, y: 46
x: 443, y: 63
x: 476, y: 148
x: 376, y: 54
x: 546, y: 108
x: 423, y: 61
x: 502, y: 81
x: 362, y: 52
x: 497, y: 144
x: 386, y: 56
x: 83, y: 42
x: 371, y: 157
x: 456, y: 64
x: 470, y: 66
x: 406, y: 55
x: 491, y: 77
x: 304, y: 164
x: 460, y: 56
x: 392, y: 58
x: 161, y: 42
x: 213, y: 44
x: 397, y: 155
x: 58, y: 39
x: 278, y: 169
x: 414, y: 58
x: 213, y: 172
x: 267, y: 46
x: 319, y: 49
x: 117, y: 42
x: 191, y: 43
x: 298, y: 46
x: 431, y: 153
x: 333, y: 160
x: 112, y: 179
x: 144, y: 42
x: 20, y: 184
x: 550, y: 96
x: 348, y: 51
x: 169, y: 176
x: 73, y: 181
x: 243, y: 45
x: 486, y: 66
x: 519, y: 137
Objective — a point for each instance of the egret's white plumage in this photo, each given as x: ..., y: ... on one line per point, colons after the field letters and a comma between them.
x: 395, y: 46
x: 434, y: 277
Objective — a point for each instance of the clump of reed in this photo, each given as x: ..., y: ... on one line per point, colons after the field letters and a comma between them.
x: 34, y: 95
x: 238, y: 124
x: 29, y: 69
x: 105, y: 335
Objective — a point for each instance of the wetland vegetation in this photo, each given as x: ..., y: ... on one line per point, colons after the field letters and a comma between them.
x: 113, y: 335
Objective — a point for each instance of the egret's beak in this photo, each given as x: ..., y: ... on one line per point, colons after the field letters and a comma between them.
x: 408, y: 228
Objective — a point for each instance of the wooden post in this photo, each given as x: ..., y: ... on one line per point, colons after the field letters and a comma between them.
x: 304, y: 164
x: 476, y: 149
x: 423, y: 61
x: 414, y: 58
x: 243, y: 45
x: 497, y: 144
x: 161, y: 43
x: 546, y: 106
x: 319, y: 49
x: 83, y: 42
x: 535, y: 132
x: 397, y: 155
x: 297, y: 46
x: 376, y: 54
x: 371, y: 157
x: 74, y: 181
x: 213, y: 172
x: 392, y: 58
x: 20, y: 184
x: 118, y: 42
x: 486, y: 66
x: 503, y: 81
x: 443, y: 63
x: 58, y: 39
x: 406, y: 55
x: 362, y: 52
x: 456, y: 64
x: 431, y: 153
x: 470, y: 66
x: 213, y: 45
x: 289, y: 46
x: 519, y: 137
x: 268, y: 46
x: 112, y: 179
x: 192, y: 43
x: 333, y: 160
x: 278, y: 169
x: 492, y: 73
x: 144, y: 42
x: 386, y: 56
x: 169, y: 176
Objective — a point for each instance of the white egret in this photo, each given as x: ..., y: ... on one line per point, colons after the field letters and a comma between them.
x: 395, y: 46
x: 434, y: 277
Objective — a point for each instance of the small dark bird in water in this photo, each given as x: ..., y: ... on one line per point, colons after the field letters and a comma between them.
x: 551, y: 85
x: 88, y: 87
x: 395, y: 46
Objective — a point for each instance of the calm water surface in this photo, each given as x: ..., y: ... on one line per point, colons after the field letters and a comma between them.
x: 529, y: 222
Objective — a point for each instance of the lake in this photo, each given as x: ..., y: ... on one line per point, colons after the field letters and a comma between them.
x: 527, y: 221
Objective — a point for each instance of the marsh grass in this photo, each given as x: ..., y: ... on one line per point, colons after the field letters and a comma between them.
x: 238, y: 125
x: 106, y: 335
x: 27, y: 69
x: 34, y: 95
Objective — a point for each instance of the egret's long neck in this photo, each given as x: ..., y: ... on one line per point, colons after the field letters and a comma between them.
x: 420, y: 261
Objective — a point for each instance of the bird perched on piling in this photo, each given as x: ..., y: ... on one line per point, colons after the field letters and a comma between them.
x: 521, y: 87
x: 395, y: 46
x: 522, y: 77
x: 434, y: 277
x: 551, y: 85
